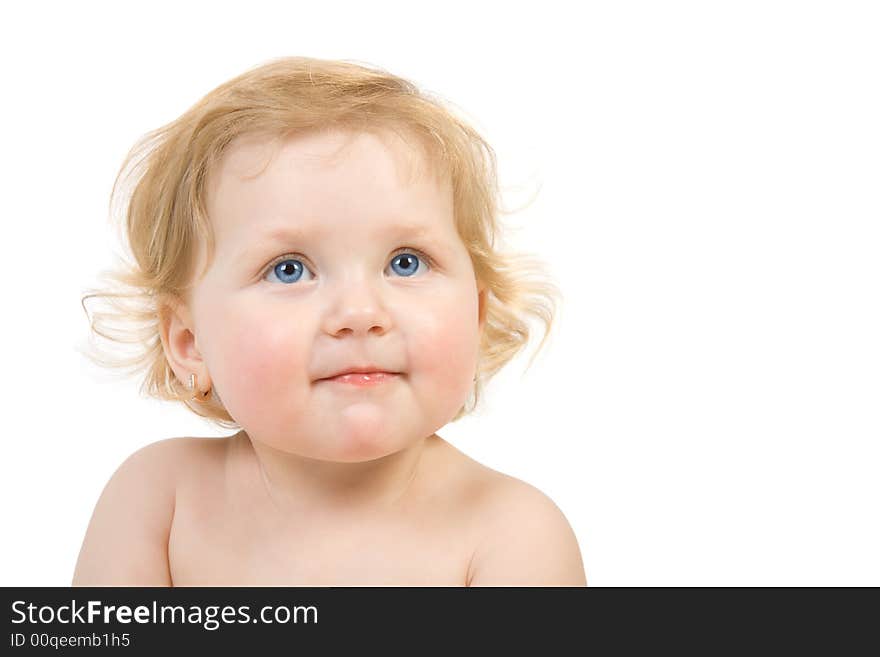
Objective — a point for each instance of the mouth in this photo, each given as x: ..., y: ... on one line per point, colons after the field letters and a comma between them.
x: 362, y: 379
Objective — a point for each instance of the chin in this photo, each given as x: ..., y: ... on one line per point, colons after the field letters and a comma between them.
x: 361, y: 451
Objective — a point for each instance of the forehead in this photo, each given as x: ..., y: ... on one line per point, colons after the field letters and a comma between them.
x: 326, y: 182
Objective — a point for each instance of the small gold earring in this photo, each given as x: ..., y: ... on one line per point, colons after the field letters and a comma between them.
x: 197, y: 396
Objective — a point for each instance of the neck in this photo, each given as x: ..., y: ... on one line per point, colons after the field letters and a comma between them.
x: 307, y: 486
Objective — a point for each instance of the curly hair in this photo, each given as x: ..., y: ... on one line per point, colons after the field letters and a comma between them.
x: 161, y: 188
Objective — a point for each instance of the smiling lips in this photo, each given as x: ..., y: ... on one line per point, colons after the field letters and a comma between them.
x: 363, y: 378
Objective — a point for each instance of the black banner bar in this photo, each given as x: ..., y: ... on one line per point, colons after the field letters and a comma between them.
x: 547, y: 620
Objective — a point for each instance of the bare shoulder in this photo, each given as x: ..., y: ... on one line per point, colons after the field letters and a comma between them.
x: 167, y: 463
x: 127, y: 537
x: 168, y: 452
x: 525, y: 539
x: 181, y: 455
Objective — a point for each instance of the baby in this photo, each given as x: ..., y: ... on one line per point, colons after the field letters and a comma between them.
x: 315, y: 266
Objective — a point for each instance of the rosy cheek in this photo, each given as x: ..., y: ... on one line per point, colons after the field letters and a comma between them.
x: 444, y: 352
x: 258, y: 362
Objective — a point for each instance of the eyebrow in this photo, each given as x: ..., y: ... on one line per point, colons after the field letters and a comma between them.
x: 297, y: 234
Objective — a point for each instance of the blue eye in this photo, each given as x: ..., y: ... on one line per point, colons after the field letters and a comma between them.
x: 288, y: 270
x: 406, y: 262
x: 409, y: 263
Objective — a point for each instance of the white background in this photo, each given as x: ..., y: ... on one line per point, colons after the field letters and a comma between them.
x: 707, y: 196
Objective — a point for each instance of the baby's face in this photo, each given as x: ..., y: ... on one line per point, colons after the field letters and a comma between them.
x: 325, y: 263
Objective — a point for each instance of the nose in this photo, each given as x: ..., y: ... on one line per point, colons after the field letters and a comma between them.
x: 357, y: 309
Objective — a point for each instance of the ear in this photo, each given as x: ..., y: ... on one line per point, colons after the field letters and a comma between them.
x: 180, y: 345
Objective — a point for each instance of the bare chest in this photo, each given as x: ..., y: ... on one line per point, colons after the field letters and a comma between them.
x: 215, y: 542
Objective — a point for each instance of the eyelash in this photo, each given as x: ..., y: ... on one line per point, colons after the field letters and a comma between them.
x: 404, y: 249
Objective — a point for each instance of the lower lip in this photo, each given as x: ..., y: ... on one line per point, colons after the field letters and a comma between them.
x: 363, y: 380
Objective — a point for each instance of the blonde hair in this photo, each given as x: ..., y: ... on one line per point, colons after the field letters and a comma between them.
x: 162, y: 186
